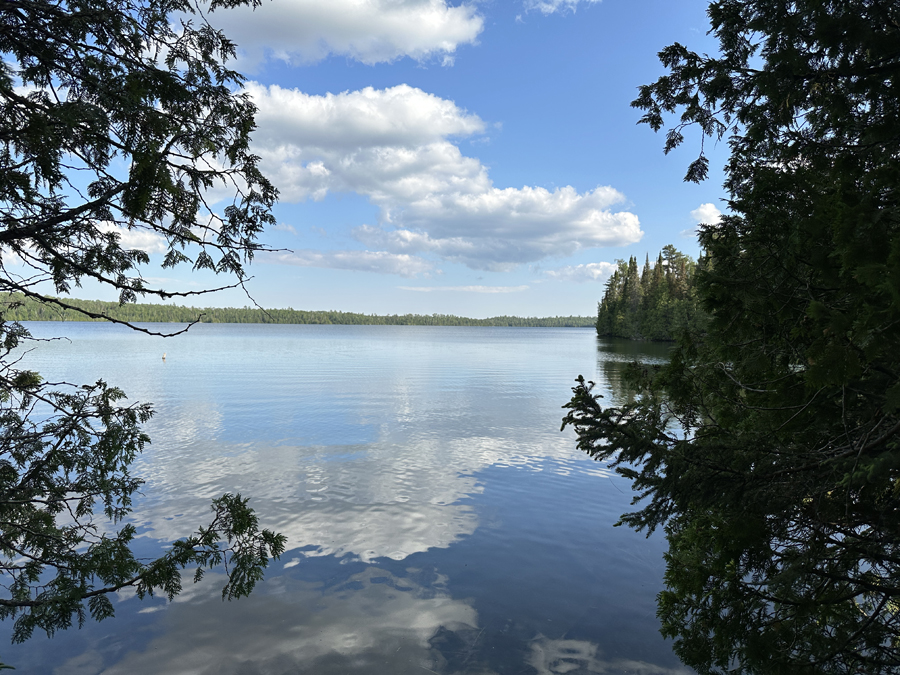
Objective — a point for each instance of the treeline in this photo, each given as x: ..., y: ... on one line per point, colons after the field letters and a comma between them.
x: 656, y: 303
x: 16, y: 307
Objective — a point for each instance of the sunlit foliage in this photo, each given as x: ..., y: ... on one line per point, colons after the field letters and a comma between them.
x: 658, y: 303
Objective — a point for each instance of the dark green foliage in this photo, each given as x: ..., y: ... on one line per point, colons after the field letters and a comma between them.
x: 768, y: 448
x: 115, y: 120
x: 657, y: 304
x: 129, y: 121
x: 23, y: 309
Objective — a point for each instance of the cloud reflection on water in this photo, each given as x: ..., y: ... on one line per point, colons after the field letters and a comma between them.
x: 397, y: 452
x: 372, y: 622
x: 372, y: 500
x: 556, y: 657
x: 388, y: 501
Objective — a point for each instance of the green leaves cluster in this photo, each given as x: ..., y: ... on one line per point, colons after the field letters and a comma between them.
x: 116, y: 119
x: 658, y: 303
x: 768, y: 448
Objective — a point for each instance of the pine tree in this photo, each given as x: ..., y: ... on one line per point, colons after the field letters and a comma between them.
x: 655, y: 305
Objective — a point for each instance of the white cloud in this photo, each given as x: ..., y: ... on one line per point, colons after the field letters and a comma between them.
x: 371, y: 31
x: 141, y: 239
x: 706, y: 214
x: 589, y: 272
x: 363, y: 261
x: 400, y: 116
x: 551, y: 6
x: 284, y: 227
x: 393, y: 146
x: 498, y: 229
x: 466, y: 289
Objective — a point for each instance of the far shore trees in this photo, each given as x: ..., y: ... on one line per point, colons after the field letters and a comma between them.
x: 657, y: 303
x: 118, y: 120
x: 769, y: 448
x: 24, y: 309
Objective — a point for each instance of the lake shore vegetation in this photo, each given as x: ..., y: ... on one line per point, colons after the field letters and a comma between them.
x: 21, y: 308
x: 768, y: 449
x: 658, y: 303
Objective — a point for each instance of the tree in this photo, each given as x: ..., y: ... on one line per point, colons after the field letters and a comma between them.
x: 655, y: 305
x: 768, y: 448
x: 114, y: 122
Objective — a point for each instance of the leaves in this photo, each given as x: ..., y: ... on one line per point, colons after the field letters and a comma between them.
x: 112, y: 84
x: 769, y: 447
x: 73, y: 462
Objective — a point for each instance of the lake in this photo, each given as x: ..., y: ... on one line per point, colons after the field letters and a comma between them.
x: 437, y: 519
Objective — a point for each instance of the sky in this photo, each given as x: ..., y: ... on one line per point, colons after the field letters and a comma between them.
x: 474, y: 158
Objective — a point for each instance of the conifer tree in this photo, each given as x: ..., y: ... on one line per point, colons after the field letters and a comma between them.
x: 655, y: 305
x: 769, y: 448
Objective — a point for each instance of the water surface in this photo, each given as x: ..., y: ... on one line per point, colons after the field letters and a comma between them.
x: 437, y: 519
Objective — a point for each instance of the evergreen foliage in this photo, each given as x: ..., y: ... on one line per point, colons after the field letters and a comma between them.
x: 769, y: 447
x: 116, y: 118
x: 20, y: 308
x: 657, y: 304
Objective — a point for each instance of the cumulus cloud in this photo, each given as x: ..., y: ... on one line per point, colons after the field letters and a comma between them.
x: 551, y: 6
x: 706, y: 214
x: 149, y: 242
x: 580, y: 273
x: 397, y: 117
x: 364, y: 261
x: 395, y: 146
x: 496, y: 229
x: 371, y: 31
x: 465, y: 289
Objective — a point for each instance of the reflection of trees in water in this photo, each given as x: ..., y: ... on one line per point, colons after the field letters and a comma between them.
x: 613, y: 357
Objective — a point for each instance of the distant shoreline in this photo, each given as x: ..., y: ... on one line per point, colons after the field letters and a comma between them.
x: 18, y: 308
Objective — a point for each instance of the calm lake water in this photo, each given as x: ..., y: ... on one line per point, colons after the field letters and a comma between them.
x: 437, y: 519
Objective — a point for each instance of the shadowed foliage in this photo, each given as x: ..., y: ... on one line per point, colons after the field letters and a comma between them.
x: 768, y: 448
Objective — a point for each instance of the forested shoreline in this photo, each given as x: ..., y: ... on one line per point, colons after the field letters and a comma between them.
x: 19, y: 308
x: 656, y: 304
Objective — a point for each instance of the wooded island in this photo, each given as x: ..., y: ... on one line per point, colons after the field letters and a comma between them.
x: 656, y: 304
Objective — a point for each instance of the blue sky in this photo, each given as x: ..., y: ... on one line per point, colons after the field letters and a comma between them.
x: 474, y: 158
